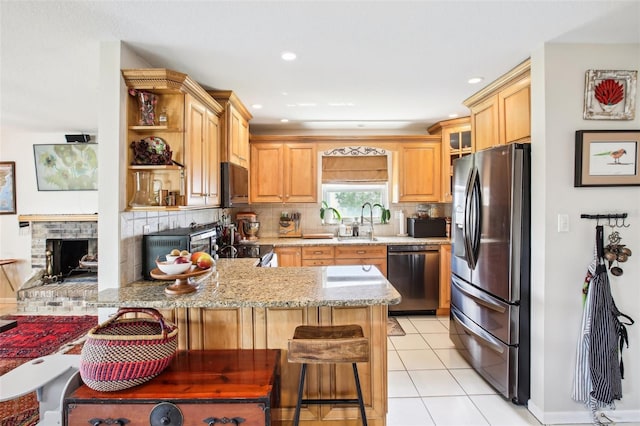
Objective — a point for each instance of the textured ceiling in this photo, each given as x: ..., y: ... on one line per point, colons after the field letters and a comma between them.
x: 400, y: 66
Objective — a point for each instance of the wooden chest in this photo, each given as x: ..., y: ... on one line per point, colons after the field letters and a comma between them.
x: 199, y: 387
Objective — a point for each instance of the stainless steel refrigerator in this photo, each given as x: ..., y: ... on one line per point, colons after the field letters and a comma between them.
x: 490, y: 283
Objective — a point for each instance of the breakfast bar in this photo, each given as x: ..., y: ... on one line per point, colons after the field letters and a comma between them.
x: 241, y: 306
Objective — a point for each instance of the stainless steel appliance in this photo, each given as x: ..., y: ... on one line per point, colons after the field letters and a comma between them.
x: 194, y: 238
x: 427, y: 227
x: 414, y: 270
x: 490, y: 265
x: 234, y: 185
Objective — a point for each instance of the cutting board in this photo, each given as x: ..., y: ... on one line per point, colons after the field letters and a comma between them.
x: 322, y: 235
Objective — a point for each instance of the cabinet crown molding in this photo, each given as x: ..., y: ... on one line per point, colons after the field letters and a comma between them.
x: 162, y: 80
x: 519, y: 71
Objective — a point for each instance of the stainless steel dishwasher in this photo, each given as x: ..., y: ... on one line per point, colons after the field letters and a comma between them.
x: 414, y: 270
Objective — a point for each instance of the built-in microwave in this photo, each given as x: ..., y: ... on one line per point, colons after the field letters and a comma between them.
x: 234, y: 185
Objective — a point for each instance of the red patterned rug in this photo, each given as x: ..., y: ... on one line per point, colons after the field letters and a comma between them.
x: 33, y: 337
x: 40, y: 335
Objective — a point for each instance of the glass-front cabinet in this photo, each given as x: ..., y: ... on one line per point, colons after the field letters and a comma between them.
x: 456, y: 143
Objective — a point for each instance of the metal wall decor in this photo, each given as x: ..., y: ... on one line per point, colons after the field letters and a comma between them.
x: 610, y: 95
x: 355, y: 151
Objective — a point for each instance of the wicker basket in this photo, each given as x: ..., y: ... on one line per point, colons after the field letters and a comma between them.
x: 125, y: 352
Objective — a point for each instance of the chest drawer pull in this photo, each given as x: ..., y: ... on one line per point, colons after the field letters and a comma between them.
x: 224, y: 420
x: 166, y: 414
x: 361, y: 251
x: 108, y: 421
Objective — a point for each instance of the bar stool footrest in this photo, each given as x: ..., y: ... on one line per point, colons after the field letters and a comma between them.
x: 335, y: 401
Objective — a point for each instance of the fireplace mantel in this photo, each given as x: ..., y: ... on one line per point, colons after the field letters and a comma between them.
x: 58, y: 217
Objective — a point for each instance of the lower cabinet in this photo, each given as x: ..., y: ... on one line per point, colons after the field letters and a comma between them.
x: 271, y: 328
x: 318, y: 256
x: 288, y: 256
x: 363, y: 255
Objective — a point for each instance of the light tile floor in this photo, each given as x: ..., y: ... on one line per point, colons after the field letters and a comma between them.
x: 431, y: 384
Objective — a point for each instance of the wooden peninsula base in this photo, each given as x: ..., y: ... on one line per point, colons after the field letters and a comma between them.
x: 245, y: 307
x: 271, y: 328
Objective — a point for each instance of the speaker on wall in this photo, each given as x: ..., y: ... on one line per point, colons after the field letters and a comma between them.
x: 78, y: 138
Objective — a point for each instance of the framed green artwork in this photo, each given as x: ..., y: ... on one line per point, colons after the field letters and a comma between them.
x: 66, y: 167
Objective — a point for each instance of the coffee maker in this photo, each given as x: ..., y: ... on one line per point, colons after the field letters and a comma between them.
x: 248, y: 226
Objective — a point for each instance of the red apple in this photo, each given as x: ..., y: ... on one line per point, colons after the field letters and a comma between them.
x: 205, y: 261
x: 195, y: 256
x: 181, y: 259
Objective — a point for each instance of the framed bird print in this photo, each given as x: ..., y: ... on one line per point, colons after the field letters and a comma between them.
x: 607, y: 158
x: 610, y: 95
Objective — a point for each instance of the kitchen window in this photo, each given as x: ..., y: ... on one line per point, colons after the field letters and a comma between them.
x: 348, y: 198
x: 352, y: 176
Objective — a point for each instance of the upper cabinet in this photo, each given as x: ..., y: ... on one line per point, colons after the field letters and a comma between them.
x: 235, y: 128
x: 501, y: 112
x: 202, y: 154
x: 456, y: 143
x: 283, y: 172
x: 166, y: 107
x: 419, y: 171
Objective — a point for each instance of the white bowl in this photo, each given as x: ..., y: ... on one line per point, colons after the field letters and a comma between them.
x: 172, y: 258
x: 171, y: 268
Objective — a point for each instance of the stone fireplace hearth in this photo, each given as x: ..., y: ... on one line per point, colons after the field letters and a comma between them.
x: 67, y: 241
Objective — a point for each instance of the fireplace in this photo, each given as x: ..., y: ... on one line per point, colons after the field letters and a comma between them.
x: 70, y: 256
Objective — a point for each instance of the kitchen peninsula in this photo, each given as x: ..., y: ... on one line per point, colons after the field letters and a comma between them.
x: 241, y: 306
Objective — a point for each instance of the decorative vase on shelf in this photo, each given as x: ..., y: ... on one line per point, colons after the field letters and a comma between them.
x: 144, y: 195
x: 146, y: 107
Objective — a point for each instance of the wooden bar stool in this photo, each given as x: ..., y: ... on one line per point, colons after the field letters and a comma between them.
x: 328, y: 345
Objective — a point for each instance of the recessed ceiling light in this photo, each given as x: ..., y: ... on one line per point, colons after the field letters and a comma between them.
x: 475, y: 80
x: 284, y: 93
x: 256, y: 106
x: 284, y: 120
x: 288, y: 56
x: 453, y: 115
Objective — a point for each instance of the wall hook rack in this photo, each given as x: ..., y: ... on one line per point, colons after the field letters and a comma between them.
x: 612, y: 218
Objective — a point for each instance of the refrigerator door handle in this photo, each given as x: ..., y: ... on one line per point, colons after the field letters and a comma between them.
x: 466, y: 230
x: 477, y: 297
x: 472, y: 218
x: 482, y: 337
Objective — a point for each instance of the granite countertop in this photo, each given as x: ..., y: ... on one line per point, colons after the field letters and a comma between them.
x: 238, y: 283
x: 380, y: 240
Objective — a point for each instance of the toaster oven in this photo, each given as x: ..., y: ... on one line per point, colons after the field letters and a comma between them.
x: 193, y: 239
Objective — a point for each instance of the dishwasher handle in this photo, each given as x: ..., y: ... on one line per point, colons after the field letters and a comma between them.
x: 415, y: 248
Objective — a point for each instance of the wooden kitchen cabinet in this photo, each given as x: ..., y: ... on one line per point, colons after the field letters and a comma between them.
x: 283, y: 173
x: 234, y: 146
x: 318, y: 255
x: 456, y: 143
x: 201, y: 154
x: 362, y: 255
x: 289, y: 256
x: 501, y: 112
x: 191, y: 131
x: 445, y: 280
x: 419, y: 172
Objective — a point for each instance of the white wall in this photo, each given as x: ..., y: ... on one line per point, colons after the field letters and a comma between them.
x: 560, y: 260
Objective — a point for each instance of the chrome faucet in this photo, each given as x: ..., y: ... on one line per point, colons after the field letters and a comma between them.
x: 370, y: 218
